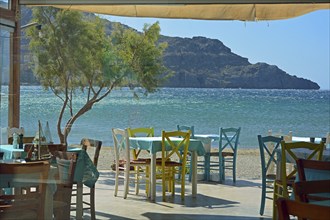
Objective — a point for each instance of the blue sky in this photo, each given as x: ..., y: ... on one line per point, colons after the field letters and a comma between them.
x: 299, y: 46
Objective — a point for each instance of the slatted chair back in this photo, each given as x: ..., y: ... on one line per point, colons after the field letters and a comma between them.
x: 96, y: 144
x: 27, y: 182
x: 287, y: 208
x: 66, y: 163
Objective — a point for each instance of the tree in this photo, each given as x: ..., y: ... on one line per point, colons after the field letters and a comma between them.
x: 75, y: 55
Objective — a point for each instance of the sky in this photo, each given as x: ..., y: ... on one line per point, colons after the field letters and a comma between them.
x: 299, y: 46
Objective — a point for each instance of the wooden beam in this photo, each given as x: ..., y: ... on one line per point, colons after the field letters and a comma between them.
x: 14, y: 77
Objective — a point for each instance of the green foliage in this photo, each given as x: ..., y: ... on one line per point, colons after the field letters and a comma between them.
x: 74, y: 53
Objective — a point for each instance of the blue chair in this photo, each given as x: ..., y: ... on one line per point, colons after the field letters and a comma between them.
x: 267, y: 148
x: 225, y: 157
x: 188, y: 164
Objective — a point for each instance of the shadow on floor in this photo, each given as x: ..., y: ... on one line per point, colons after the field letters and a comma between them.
x: 173, y: 216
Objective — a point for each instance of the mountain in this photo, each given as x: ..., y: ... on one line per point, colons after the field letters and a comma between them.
x: 200, y: 62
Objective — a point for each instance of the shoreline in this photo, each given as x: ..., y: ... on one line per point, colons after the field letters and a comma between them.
x: 248, y: 162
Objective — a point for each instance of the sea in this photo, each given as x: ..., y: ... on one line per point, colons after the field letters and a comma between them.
x: 304, y: 112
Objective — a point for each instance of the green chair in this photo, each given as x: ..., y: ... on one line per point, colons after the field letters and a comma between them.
x: 267, y: 147
x: 225, y: 157
x: 188, y: 164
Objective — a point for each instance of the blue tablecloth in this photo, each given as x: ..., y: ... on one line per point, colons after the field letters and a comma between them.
x: 85, y: 171
x: 10, y: 152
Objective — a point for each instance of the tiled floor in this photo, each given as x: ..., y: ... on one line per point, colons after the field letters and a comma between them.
x: 214, y: 201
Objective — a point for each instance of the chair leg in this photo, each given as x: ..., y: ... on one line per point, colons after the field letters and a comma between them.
x: 234, y: 170
x: 92, y: 202
x: 116, y: 182
x: 263, y: 197
x: 126, y: 182
x: 275, y: 197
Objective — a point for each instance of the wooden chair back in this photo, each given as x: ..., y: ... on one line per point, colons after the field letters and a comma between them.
x: 66, y: 163
x: 313, y: 169
x: 27, y: 183
x: 287, y: 207
x: 96, y: 144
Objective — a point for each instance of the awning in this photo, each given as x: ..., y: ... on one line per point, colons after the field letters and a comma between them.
x: 244, y: 10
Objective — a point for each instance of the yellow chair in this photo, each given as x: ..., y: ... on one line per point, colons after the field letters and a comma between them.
x: 291, y: 152
x: 140, y: 132
x: 174, y: 155
x: 124, y: 164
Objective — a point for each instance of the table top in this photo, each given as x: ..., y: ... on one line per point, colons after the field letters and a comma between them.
x: 154, y: 144
x: 301, y: 153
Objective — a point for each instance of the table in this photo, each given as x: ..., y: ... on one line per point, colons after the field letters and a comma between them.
x: 207, y: 140
x: 154, y: 145
x: 11, y: 153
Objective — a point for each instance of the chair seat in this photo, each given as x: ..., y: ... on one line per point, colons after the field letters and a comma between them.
x: 227, y: 154
x: 289, y: 182
x: 271, y: 176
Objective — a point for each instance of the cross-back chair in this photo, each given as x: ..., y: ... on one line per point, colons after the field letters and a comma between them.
x: 27, y: 183
x: 174, y: 155
x: 225, y: 157
x: 290, y: 152
x: 124, y: 164
x: 267, y: 147
x: 140, y: 132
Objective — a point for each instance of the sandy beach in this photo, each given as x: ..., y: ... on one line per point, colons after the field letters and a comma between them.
x: 248, y: 162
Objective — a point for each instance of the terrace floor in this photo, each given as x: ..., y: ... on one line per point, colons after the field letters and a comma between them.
x: 214, y: 201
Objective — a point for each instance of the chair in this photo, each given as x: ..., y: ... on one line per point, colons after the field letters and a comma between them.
x: 287, y: 207
x: 123, y: 163
x: 27, y: 182
x: 188, y: 164
x: 140, y: 132
x: 290, y: 152
x: 172, y: 158
x: 314, y: 177
x: 267, y: 147
x: 66, y: 163
x: 225, y: 157
x: 79, y: 191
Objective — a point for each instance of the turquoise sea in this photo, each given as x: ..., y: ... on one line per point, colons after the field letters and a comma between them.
x: 305, y: 113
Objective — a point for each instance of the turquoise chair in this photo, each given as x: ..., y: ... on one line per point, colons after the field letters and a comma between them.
x: 225, y: 157
x: 267, y: 148
x: 192, y: 131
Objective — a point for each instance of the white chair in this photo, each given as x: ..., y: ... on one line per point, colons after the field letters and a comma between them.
x: 126, y: 166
